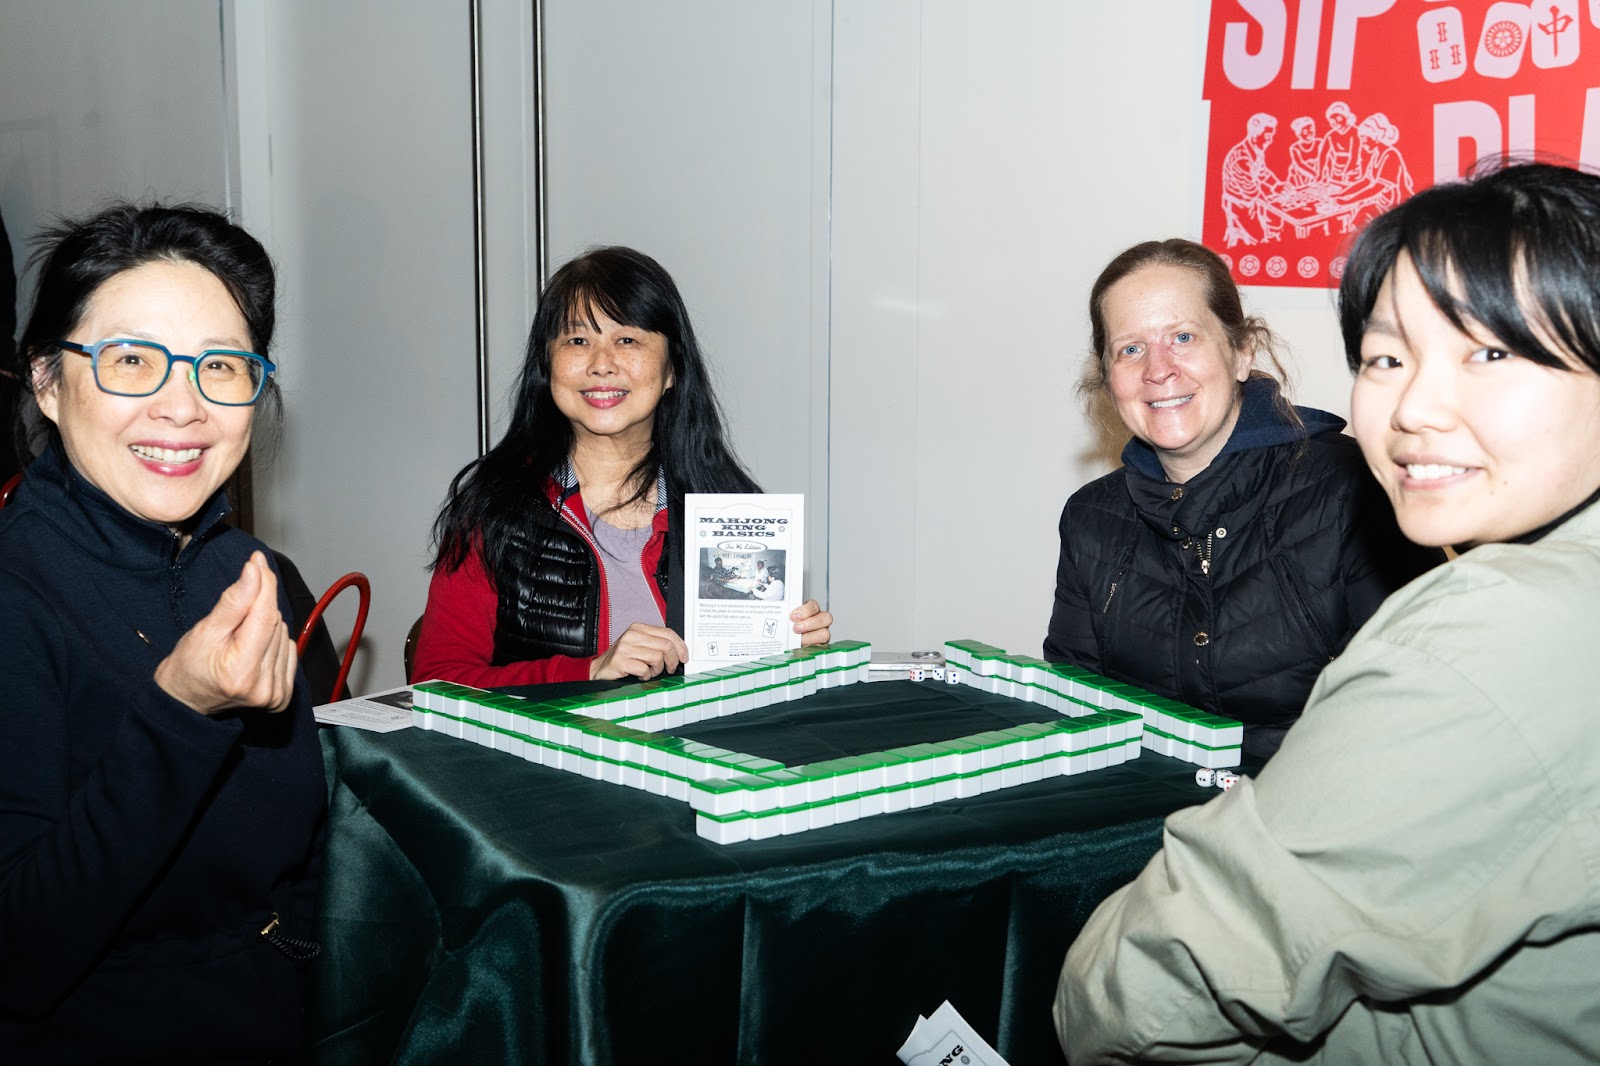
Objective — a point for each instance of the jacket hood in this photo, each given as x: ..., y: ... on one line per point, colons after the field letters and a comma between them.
x: 1261, y: 425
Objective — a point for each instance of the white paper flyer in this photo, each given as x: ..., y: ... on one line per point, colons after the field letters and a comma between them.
x: 947, y: 1040
x: 380, y: 712
x: 743, y: 559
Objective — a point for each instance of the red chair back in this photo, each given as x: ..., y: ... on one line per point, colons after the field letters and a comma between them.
x: 9, y: 487
x: 364, y: 589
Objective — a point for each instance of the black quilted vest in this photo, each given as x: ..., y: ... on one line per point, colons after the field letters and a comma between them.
x: 548, y: 585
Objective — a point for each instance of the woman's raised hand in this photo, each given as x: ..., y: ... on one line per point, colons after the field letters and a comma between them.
x: 642, y: 651
x: 240, y: 654
x: 811, y: 622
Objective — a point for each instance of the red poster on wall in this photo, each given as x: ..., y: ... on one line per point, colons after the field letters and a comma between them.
x: 1326, y: 112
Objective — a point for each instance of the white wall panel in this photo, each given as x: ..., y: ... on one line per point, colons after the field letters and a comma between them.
x: 368, y: 211
x: 879, y: 325
x: 690, y: 131
x: 101, y: 99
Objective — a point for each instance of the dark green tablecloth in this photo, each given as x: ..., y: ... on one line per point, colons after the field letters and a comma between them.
x: 479, y: 909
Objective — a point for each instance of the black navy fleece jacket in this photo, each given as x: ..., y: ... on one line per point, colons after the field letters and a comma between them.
x: 143, y: 846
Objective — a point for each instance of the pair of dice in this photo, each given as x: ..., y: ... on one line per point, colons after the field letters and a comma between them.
x: 1205, y: 777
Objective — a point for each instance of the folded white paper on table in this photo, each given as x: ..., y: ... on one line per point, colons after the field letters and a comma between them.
x: 380, y: 712
x: 947, y: 1040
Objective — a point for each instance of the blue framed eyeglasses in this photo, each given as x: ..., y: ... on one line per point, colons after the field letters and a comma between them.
x: 126, y: 367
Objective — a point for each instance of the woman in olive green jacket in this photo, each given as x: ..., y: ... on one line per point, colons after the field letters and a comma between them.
x: 1416, y: 876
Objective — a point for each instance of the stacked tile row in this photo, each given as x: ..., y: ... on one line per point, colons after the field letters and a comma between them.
x: 621, y: 736
x: 1170, y: 728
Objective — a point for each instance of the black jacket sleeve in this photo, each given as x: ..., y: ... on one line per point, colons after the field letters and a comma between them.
x: 1376, y: 559
x: 10, y: 388
x: 1071, y: 637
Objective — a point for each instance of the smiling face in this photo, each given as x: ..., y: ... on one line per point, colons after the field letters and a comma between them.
x: 607, y: 379
x: 159, y: 457
x: 1174, y: 376
x: 1473, y: 443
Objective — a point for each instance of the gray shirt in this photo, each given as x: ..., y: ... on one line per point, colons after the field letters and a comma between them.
x: 630, y: 597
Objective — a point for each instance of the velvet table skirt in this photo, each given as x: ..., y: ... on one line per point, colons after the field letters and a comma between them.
x: 481, y: 909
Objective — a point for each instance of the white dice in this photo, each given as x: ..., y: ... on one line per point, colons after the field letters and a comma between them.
x: 1205, y: 777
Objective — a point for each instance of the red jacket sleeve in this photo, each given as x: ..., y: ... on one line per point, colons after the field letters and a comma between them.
x: 456, y: 642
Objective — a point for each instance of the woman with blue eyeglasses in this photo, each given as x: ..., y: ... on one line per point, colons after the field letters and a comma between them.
x: 161, y: 788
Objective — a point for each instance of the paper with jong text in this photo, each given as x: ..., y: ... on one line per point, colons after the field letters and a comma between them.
x: 744, y: 557
x: 947, y: 1040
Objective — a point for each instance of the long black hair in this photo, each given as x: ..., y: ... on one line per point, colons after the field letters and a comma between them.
x: 1513, y: 250
x: 485, y: 501
x: 75, y: 258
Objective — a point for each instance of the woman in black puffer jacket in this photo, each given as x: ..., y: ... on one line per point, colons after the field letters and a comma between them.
x: 1244, y: 541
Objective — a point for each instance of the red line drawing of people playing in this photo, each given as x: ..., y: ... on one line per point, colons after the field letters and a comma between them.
x: 1305, y: 154
x: 1348, y: 175
x: 1248, y: 184
x: 1341, y: 146
x: 1383, y: 167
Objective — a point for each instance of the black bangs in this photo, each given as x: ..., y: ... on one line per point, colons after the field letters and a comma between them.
x: 1510, y: 253
x: 585, y: 308
x: 624, y: 285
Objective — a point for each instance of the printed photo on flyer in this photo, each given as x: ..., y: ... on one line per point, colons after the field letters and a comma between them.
x: 743, y: 565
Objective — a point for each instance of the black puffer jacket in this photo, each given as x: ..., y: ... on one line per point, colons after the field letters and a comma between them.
x: 1232, y: 591
x: 552, y: 571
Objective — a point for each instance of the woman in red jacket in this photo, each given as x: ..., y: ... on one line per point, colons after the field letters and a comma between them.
x: 558, y: 550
